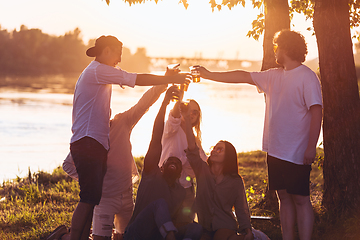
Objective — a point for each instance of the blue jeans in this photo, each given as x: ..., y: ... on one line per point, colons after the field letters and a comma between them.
x: 154, y: 222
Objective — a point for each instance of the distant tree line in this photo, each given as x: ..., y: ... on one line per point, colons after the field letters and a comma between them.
x: 31, y: 52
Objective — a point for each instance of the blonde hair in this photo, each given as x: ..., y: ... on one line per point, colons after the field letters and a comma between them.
x: 196, y: 125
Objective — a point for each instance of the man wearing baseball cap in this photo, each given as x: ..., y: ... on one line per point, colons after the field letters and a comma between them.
x: 89, y: 143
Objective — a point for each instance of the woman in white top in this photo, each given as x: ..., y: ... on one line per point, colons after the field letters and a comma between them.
x: 174, y: 143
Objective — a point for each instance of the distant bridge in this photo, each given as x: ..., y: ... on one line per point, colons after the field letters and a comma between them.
x: 160, y: 63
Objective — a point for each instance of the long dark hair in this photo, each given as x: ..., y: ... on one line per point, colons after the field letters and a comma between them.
x: 230, y: 166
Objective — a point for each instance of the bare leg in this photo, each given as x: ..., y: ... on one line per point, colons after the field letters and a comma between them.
x: 81, y: 221
x: 86, y: 233
x: 305, y: 216
x: 287, y: 214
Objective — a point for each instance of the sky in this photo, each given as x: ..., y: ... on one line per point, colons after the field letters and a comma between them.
x: 165, y: 29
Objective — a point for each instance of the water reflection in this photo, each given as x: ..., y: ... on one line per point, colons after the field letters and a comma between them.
x: 41, y: 84
x: 35, y: 126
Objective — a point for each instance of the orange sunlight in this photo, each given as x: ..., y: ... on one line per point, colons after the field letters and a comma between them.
x: 164, y: 29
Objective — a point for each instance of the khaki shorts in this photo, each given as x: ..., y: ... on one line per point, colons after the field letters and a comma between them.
x: 113, y: 211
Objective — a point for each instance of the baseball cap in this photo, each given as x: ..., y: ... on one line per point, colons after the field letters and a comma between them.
x: 101, y: 43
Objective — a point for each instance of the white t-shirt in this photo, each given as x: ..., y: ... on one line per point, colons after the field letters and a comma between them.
x: 91, y: 103
x: 121, y: 168
x: 289, y: 96
x: 174, y: 143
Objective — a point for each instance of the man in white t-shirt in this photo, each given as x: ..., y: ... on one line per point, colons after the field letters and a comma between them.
x: 117, y: 204
x: 292, y: 126
x: 89, y: 143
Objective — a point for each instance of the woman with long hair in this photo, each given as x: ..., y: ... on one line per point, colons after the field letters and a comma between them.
x: 220, y: 189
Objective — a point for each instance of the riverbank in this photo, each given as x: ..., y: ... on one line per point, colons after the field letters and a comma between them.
x: 33, y: 206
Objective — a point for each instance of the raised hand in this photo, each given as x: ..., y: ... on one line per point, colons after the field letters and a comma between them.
x: 173, y: 92
x: 172, y: 71
x: 181, y: 78
x: 202, y: 70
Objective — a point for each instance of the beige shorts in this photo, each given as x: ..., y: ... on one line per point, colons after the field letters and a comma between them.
x: 113, y: 211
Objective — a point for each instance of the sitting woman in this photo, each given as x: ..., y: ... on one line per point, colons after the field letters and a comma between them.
x: 220, y: 188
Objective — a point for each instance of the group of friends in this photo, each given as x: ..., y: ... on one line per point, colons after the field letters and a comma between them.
x: 184, y: 194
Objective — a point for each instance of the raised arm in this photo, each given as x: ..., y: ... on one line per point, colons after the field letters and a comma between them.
x: 236, y: 76
x: 149, y: 98
x: 175, y: 112
x: 135, y: 113
x: 153, y: 154
x: 173, y: 123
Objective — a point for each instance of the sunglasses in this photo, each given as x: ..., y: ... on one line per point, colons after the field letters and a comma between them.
x: 195, y: 112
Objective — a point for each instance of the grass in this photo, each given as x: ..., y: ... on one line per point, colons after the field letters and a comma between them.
x: 32, y: 207
x: 253, y: 169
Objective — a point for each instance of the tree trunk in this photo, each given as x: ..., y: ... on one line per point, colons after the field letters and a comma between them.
x: 341, y: 124
x: 276, y: 19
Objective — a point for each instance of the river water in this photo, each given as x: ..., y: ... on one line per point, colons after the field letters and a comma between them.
x: 35, y: 127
